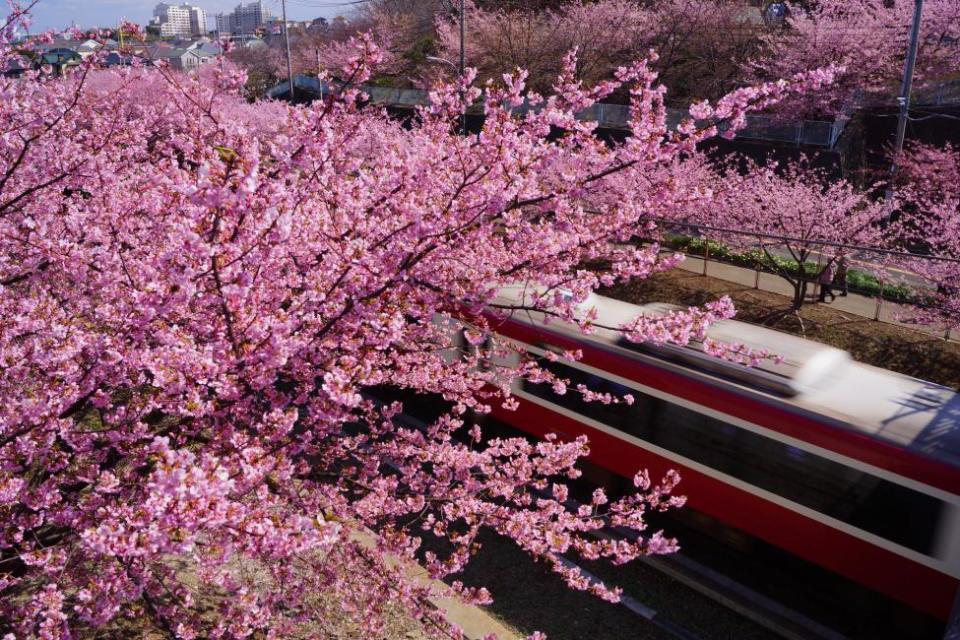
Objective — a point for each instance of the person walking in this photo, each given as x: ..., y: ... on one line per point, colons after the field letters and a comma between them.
x: 840, y: 280
x: 826, y: 281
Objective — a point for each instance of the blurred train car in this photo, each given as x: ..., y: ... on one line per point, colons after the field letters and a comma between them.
x: 850, y: 467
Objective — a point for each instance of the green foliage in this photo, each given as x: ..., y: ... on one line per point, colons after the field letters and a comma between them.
x: 422, y: 47
x: 869, y: 285
x: 390, y: 82
x: 258, y: 83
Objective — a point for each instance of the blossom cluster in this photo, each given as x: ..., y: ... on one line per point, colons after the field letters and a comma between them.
x: 201, y: 297
x: 927, y: 189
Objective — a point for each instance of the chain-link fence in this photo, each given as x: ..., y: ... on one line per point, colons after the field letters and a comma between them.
x: 884, y: 285
x: 818, y: 133
x: 944, y: 93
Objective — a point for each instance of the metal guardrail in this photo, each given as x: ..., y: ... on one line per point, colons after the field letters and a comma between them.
x: 945, y: 93
x: 396, y: 97
x: 817, y: 133
x: 820, y: 133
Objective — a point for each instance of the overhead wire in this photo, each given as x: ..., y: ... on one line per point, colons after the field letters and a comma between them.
x: 781, y: 238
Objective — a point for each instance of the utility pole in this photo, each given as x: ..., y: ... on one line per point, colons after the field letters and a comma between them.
x: 286, y: 38
x: 460, y: 68
x: 463, y: 66
x: 906, y: 88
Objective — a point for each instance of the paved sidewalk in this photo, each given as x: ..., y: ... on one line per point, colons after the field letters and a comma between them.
x: 475, y: 622
x: 853, y: 304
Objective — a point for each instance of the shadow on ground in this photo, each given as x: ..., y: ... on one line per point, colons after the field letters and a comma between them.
x: 529, y: 597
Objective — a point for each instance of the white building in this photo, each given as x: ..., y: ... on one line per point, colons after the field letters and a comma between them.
x: 245, y: 19
x: 198, y: 21
x: 180, y: 20
x: 224, y: 23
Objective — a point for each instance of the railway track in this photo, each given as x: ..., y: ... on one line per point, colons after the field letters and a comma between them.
x: 730, y: 594
x: 638, y: 608
x: 756, y: 607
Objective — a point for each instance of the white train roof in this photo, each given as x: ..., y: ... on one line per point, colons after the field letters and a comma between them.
x: 912, y: 413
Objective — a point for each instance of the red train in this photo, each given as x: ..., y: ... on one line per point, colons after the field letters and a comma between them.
x: 850, y: 467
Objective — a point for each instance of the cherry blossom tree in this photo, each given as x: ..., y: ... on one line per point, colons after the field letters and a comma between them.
x: 502, y: 40
x: 869, y: 39
x: 329, y: 51
x: 403, y: 36
x: 200, y: 297
x: 929, y: 173
x: 928, y: 194
x: 789, y: 211
x: 701, y: 45
x: 264, y: 67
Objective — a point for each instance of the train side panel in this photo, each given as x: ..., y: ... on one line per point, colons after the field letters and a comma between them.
x: 921, y: 587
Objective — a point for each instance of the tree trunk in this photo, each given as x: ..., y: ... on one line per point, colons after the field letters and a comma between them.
x: 799, y: 294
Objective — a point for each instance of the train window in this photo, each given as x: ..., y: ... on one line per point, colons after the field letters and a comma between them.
x: 633, y: 419
x: 889, y: 510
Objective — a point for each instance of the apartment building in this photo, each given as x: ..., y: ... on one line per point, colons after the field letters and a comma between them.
x: 180, y: 20
x: 244, y: 19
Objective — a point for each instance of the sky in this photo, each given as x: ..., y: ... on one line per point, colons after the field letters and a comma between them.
x: 57, y: 14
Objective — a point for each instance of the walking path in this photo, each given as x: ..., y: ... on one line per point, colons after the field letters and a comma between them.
x: 854, y: 304
x: 475, y: 622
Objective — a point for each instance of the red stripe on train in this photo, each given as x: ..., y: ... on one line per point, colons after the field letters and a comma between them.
x: 844, y: 441
x: 916, y: 585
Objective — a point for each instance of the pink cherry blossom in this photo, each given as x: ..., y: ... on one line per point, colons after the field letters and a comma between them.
x: 200, y: 299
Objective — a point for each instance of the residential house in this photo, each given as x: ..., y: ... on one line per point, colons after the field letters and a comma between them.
x: 178, y: 58
x: 208, y: 50
x: 60, y: 58
x: 87, y: 48
x: 247, y: 41
x: 116, y: 59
